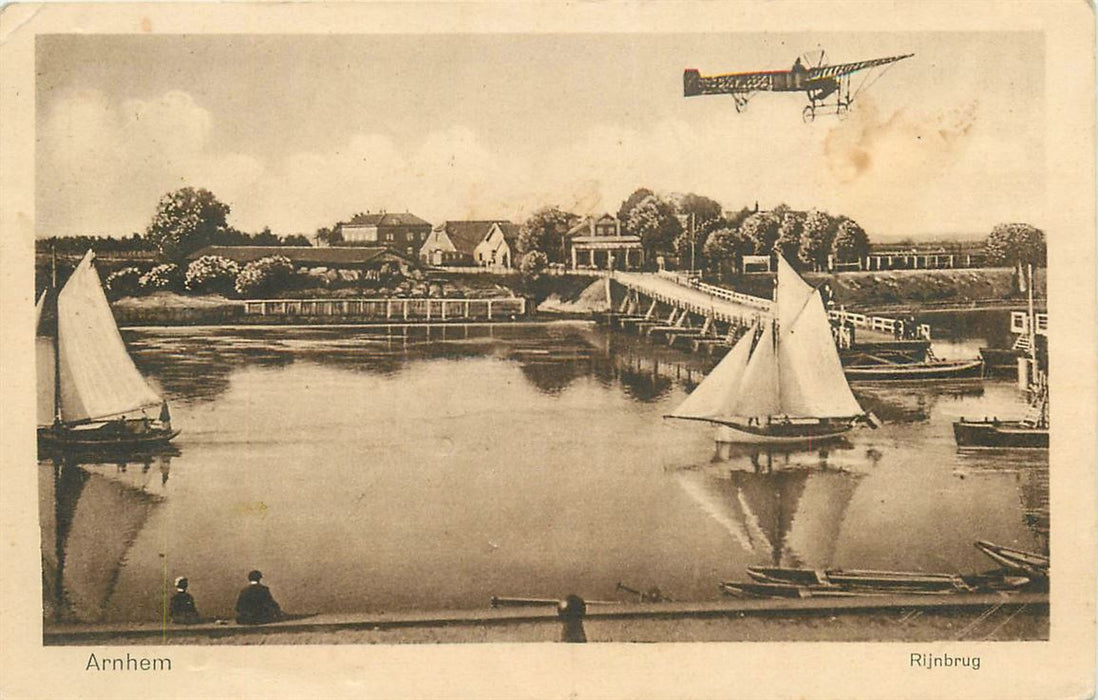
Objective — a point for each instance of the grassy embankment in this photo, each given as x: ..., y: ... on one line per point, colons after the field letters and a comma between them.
x: 900, y: 291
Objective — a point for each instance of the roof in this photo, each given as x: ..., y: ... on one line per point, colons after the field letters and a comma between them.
x: 384, y: 219
x: 301, y: 255
x: 466, y: 235
x: 587, y: 224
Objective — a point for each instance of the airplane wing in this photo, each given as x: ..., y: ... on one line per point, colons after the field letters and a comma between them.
x: 835, y: 71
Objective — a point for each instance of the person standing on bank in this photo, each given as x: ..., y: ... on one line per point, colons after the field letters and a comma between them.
x: 571, y: 611
x: 182, y: 610
x: 255, y: 605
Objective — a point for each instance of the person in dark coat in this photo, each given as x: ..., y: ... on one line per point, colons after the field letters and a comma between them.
x: 571, y: 611
x: 255, y: 605
x: 182, y: 610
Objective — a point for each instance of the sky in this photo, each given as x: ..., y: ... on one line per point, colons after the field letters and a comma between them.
x: 296, y: 132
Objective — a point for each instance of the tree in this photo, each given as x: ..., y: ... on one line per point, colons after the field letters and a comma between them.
x: 815, y: 240
x: 761, y: 230
x: 295, y: 239
x: 704, y: 209
x: 788, y: 244
x: 1016, y: 245
x: 639, y: 195
x: 186, y: 220
x: 546, y: 231
x: 851, y: 242
x: 724, y: 251
x: 654, y: 221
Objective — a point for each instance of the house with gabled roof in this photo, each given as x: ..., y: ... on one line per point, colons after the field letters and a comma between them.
x: 598, y: 243
x: 402, y: 232
x: 499, y: 248
x: 487, y: 243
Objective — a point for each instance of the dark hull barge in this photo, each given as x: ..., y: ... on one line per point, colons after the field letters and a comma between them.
x: 996, y: 433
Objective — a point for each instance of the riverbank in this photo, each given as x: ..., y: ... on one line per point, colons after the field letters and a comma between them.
x: 1018, y: 616
x: 892, y: 292
x: 899, y: 291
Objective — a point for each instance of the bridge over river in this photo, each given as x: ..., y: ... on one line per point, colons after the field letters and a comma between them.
x: 686, y: 310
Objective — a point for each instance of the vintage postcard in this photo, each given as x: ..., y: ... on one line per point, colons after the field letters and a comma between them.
x: 608, y: 350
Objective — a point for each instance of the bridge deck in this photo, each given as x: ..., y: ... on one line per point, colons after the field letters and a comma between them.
x: 695, y: 300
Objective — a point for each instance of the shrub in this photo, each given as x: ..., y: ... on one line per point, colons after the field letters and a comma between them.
x: 212, y: 274
x: 166, y: 277
x: 124, y: 283
x: 265, y: 276
x: 534, y: 262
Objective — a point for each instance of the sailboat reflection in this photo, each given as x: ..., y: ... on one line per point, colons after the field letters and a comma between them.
x: 90, y: 515
x: 788, y: 517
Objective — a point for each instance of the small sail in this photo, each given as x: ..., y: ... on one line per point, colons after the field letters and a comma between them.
x: 44, y: 365
x: 812, y: 381
x: 717, y: 393
x: 758, y: 394
x: 98, y: 377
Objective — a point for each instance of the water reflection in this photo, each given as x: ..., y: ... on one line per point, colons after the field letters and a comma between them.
x: 785, y: 517
x: 90, y: 515
x: 455, y: 464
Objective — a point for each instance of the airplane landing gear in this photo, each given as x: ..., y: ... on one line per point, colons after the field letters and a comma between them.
x: 809, y: 114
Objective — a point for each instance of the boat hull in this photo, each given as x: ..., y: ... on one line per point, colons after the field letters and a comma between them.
x: 914, y: 372
x: 51, y: 439
x: 782, y: 433
x: 999, y: 434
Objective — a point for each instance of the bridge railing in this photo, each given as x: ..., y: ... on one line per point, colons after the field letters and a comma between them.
x: 720, y: 292
x: 883, y: 324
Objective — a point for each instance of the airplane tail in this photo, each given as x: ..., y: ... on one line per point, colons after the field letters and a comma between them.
x: 691, y: 83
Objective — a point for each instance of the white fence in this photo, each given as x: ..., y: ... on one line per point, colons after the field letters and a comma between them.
x: 391, y: 309
x: 891, y: 326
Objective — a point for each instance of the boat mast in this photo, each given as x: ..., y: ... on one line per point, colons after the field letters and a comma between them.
x: 56, y: 337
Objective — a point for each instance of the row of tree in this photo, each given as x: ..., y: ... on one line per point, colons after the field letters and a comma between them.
x: 692, y: 230
x: 688, y: 230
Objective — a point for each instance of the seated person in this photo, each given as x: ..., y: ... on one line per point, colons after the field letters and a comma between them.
x: 255, y: 605
x: 182, y: 610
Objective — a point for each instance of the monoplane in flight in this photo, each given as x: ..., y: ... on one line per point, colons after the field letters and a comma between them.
x: 819, y: 82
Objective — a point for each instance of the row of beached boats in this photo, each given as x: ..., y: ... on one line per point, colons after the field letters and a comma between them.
x: 1018, y: 570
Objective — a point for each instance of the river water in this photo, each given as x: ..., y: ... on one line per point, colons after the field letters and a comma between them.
x: 367, y: 470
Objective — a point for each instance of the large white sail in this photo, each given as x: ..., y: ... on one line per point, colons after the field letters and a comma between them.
x: 811, y: 376
x: 717, y: 393
x: 98, y: 377
x: 758, y: 394
x: 44, y: 366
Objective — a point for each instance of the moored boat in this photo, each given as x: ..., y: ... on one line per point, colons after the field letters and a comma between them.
x: 996, y: 433
x: 1015, y: 559
x: 91, y: 396
x: 782, y: 382
x: 917, y: 371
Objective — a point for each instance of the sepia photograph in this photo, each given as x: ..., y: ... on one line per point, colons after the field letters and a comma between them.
x: 474, y: 337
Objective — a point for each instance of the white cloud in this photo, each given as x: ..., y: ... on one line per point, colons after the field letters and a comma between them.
x: 103, y: 166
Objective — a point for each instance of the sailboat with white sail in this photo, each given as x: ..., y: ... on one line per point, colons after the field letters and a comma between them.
x: 90, y: 393
x: 782, y: 382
